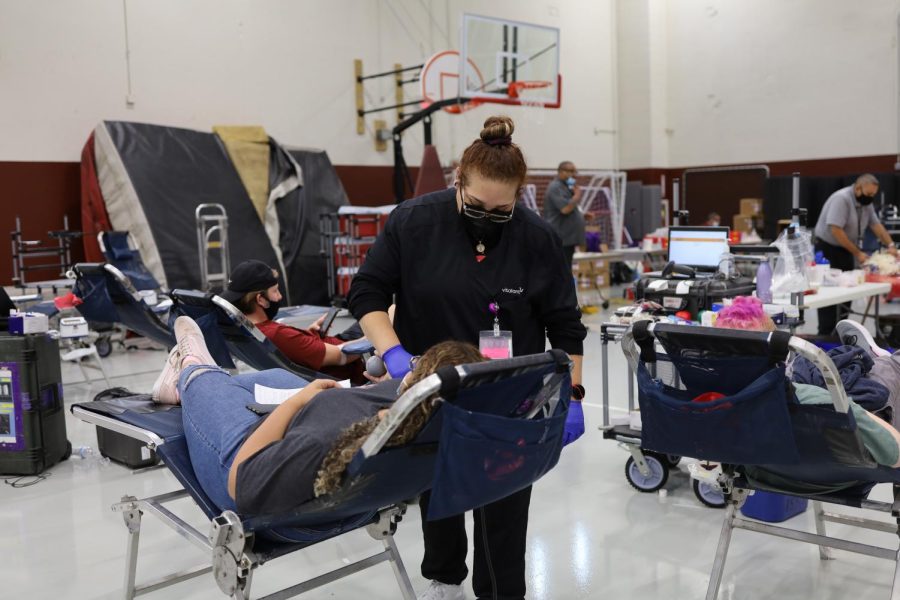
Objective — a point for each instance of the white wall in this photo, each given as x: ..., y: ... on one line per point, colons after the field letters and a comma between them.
x: 283, y: 64
x: 781, y: 79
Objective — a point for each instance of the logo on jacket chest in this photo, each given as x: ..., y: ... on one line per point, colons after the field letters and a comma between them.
x: 513, y: 291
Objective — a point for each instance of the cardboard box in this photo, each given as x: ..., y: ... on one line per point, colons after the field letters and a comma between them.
x: 751, y: 206
x: 742, y: 223
x: 601, y: 280
x: 586, y: 282
x: 600, y: 266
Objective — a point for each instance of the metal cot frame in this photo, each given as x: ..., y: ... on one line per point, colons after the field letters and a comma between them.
x: 229, y: 548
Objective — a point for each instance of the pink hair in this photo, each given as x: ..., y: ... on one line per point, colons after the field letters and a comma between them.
x: 746, y: 312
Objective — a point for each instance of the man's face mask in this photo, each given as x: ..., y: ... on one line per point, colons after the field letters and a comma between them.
x: 866, y: 200
x: 272, y: 309
x: 570, y: 181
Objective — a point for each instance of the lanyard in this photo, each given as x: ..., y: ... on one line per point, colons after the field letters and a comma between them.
x: 859, y: 237
x: 495, y: 309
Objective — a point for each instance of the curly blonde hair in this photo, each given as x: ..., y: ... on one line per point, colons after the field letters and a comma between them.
x: 351, y: 439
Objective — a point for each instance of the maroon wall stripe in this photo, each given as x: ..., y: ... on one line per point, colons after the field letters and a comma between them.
x: 42, y: 192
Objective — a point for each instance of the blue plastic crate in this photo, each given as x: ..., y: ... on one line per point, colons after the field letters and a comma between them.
x: 773, y: 508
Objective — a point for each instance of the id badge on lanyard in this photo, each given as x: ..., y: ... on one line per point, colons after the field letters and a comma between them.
x: 495, y: 343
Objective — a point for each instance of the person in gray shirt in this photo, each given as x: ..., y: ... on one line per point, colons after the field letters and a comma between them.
x: 561, y: 208
x: 839, y: 231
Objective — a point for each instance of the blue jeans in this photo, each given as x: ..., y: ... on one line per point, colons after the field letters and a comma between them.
x: 216, y: 420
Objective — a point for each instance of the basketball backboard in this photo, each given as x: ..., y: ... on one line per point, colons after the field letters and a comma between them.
x: 517, y: 63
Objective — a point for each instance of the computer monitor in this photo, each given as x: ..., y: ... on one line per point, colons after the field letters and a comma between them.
x: 698, y: 247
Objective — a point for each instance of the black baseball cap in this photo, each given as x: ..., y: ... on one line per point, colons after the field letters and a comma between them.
x: 249, y: 276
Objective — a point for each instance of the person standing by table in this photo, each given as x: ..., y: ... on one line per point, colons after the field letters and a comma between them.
x: 846, y: 216
x: 454, y: 259
x: 561, y: 209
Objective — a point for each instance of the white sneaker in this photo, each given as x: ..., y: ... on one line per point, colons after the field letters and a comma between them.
x: 442, y: 591
x: 852, y: 333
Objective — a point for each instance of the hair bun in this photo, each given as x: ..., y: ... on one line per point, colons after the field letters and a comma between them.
x: 497, y: 127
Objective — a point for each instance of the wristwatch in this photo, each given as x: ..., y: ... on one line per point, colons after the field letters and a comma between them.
x: 578, y: 391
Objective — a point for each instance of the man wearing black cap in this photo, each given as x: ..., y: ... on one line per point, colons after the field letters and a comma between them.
x: 253, y: 289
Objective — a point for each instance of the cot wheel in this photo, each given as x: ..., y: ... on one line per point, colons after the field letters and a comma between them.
x: 672, y: 460
x: 104, y: 347
x: 605, y: 304
x: 708, y: 494
x: 659, y: 474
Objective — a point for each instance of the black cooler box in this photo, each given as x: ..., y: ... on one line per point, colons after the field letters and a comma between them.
x: 119, y: 447
x: 692, y: 295
x: 32, y: 419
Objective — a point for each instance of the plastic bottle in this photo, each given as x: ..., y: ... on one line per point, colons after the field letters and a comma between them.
x: 89, y: 458
x: 726, y: 264
x: 764, y: 281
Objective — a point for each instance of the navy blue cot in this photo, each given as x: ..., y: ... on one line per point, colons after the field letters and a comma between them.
x: 225, y: 326
x: 118, y: 250
x: 764, y: 437
x: 515, y: 408
x: 109, y: 297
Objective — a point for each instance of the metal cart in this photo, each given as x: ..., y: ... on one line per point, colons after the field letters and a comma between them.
x: 645, y: 470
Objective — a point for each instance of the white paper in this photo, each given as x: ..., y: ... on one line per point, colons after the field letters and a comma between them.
x: 267, y: 395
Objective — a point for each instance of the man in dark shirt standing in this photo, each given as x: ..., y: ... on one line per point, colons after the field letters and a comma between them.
x: 561, y: 208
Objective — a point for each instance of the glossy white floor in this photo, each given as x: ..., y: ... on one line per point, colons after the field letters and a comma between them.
x: 590, y: 534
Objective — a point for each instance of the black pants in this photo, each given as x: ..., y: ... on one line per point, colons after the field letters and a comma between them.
x: 841, y: 259
x: 500, y: 531
x: 569, y: 251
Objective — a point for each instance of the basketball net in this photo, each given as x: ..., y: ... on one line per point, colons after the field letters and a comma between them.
x: 532, y: 103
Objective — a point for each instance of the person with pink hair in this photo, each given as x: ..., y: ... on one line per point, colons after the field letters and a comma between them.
x: 745, y: 312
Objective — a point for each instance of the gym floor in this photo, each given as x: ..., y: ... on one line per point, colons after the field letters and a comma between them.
x: 590, y: 534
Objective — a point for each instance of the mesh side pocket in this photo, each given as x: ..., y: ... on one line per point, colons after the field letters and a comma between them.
x: 483, y: 458
x: 749, y: 427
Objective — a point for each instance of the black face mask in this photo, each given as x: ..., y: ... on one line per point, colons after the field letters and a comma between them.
x: 866, y: 200
x: 483, y: 230
x: 272, y: 309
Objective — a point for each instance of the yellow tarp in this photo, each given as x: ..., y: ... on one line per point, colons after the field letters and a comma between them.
x: 248, y: 147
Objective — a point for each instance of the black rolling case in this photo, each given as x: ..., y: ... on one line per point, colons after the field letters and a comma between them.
x: 32, y: 419
x: 694, y: 295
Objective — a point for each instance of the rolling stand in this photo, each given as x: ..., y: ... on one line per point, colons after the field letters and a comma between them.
x: 24, y: 252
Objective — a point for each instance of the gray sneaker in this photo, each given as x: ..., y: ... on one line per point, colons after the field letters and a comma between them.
x: 852, y: 333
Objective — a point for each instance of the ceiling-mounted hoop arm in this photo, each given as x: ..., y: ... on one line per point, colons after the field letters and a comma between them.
x: 402, y: 177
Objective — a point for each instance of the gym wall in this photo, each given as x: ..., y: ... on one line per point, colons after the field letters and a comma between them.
x: 761, y: 81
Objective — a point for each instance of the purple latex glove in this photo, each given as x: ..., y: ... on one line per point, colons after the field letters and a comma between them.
x: 397, y: 360
x: 574, y: 428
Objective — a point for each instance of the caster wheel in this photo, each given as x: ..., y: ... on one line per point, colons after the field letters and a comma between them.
x: 68, y: 452
x: 659, y: 474
x: 708, y: 494
x: 672, y: 460
x: 104, y: 347
x: 605, y: 304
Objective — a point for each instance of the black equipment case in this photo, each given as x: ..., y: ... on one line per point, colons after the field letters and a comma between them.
x: 119, y: 447
x: 32, y: 419
x: 696, y: 294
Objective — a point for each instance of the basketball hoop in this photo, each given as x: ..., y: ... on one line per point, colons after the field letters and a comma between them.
x: 514, y: 89
x: 534, y: 104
